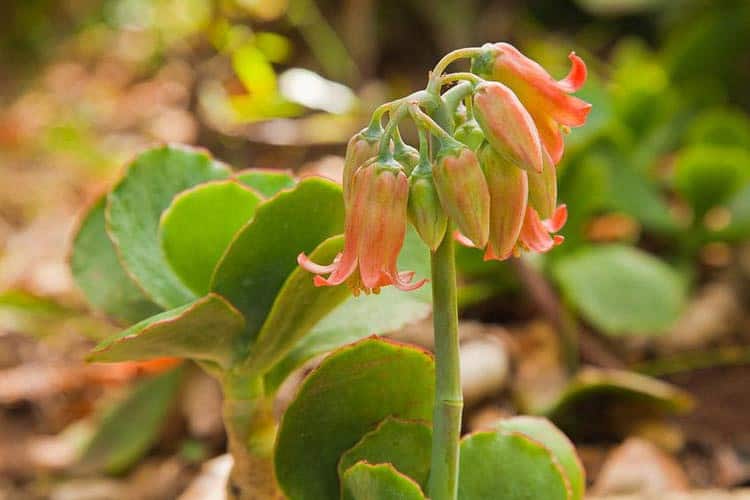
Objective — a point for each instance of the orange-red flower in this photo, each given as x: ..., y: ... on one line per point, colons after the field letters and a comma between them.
x: 547, y: 100
x: 374, y: 233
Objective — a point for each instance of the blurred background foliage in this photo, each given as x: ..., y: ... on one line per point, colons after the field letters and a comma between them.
x: 657, y: 183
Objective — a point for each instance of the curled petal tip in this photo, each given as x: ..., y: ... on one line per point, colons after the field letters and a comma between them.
x: 577, y: 75
x: 558, y: 219
x: 308, y: 265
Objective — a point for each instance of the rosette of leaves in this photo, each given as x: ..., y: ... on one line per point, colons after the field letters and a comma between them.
x: 203, y: 260
x: 360, y: 428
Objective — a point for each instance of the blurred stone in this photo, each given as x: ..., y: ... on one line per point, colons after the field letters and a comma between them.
x: 639, y: 467
x: 713, y: 313
x: 89, y: 489
x: 485, y: 368
x: 486, y: 417
x: 210, y: 484
x: 201, y: 405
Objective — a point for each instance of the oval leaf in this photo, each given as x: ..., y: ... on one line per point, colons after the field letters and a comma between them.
x: 622, y: 290
x: 134, y: 208
x: 204, y: 330
x: 511, y: 466
x: 405, y: 444
x: 198, y: 226
x: 264, y: 253
x: 98, y: 273
x: 543, y: 431
x: 353, y: 390
x: 266, y: 181
x: 364, y: 481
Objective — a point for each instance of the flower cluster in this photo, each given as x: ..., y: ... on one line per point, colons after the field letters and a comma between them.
x: 494, y: 175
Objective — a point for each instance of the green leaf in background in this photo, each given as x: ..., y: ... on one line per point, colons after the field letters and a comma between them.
x: 361, y: 316
x: 721, y: 127
x: 543, y: 431
x: 266, y: 181
x: 205, y: 330
x: 632, y: 192
x: 134, y: 208
x: 404, y: 444
x: 198, y: 226
x: 621, y: 290
x: 615, y: 402
x: 707, y: 176
x: 299, y: 305
x: 619, y: 7
x: 98, y: 273
x: 511, y: 466
x: 264, y: 253
x: 347, y: 396
x: 364, y: 481
x: 132, y: 426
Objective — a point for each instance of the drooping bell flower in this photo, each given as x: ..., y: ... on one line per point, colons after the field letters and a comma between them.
x: 463, y: 192
x: 547, y: 100
x: 508, y: 186
x: 507, y: 125
x: 361, y: 147
x: 374, y: 233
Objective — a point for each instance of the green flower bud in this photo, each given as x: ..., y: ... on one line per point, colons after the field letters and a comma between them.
x: 463, y: 192
x: 406, y: 155
x: 470, y: 133
x: 425, y: 212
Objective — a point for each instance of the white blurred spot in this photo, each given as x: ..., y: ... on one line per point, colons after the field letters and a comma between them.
x: 313, y: 91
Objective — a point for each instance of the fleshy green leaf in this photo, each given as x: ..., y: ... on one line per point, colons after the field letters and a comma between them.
x: 266, y: 181
x: 206, y: 330
x: 622, y: 290
x: 198, y: 226
x: 352, y: 390
x: 264, y: 252
x: 299, y: 305
x: 615, y: 402
x: 543, y: 431
x: 98, y: 273
x: 402, y: 443
x: 508, y: 465
x: 361, y: 316
x: 134, y: 208
x: 364, y: 481
x: 131, y: 426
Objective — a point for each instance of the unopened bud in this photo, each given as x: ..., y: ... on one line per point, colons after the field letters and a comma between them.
x: 425, y: 212
x: 463, y: 192
x: 543, y: 189
x: 406, y: 155
x: 470, y: 133
x: 508, y: 187
x: 508, y: 126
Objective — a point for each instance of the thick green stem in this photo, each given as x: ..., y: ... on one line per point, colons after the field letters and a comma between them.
x: 251, y: 428
x: 434, y: 84
x: 448, y: 397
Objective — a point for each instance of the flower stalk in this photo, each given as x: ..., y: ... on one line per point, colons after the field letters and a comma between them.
x: 448, y: 397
